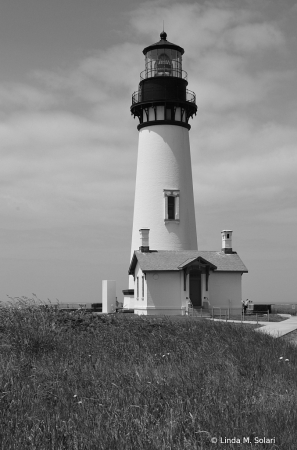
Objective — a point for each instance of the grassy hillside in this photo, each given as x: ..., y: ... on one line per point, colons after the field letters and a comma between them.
x: 77, y: 381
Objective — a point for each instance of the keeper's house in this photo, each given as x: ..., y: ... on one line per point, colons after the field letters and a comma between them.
x: 165, y: 280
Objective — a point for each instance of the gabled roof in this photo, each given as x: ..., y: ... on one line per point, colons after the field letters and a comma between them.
x: 201, y: 262
x: 170, y: 260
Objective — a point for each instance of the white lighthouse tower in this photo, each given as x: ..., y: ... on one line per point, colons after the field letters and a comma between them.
x: 164, y: 201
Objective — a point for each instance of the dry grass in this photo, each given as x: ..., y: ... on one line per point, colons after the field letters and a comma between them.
x: 79, y: 381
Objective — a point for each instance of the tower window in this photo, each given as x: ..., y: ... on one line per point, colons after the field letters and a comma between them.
x: 171, y: 208
x: 171, y: 198
x: 169, y: 114
x: 227, y: 235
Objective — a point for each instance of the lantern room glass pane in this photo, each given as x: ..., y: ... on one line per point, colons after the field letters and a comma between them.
x: 163, y: 65
x: 163, y: 62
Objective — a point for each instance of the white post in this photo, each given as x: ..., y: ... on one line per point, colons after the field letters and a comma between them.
x: 166, y: 207
x: 176, y: 208
x: 108, y: 296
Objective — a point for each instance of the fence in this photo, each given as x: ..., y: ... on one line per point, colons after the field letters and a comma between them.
x: 238, y: 314
x: 76, y: 306
x: 197, y: 312
x: 226, y: 313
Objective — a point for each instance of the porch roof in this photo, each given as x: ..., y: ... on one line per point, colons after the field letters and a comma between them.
x: 170, y: 260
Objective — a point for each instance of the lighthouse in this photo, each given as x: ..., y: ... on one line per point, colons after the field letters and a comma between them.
x: 164, y: 200
x: 167, y: 273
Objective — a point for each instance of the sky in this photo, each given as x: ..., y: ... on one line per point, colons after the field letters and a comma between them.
x: 68, y: 143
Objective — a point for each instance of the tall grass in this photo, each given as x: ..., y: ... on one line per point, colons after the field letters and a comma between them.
x: 80, y: 381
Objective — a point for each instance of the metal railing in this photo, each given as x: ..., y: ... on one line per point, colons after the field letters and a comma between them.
x: 222, y: 311
x: 196, y: 312
x: 163, y: 72
x: 138, y: 97
x: 225, y: 313
x: 77, y: 306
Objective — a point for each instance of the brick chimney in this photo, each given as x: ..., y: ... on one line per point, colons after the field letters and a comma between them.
x: 227, y: 241
x: 144, y: 240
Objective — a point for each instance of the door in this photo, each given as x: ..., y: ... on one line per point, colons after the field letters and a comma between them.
x: 195, y: 289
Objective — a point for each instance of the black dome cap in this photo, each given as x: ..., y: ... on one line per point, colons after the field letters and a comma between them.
x: 163, y: 43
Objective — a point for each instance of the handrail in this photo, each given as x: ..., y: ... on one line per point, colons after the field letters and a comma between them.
x: 162, y: 72
x: 227, y: 312
x: 190, y: 97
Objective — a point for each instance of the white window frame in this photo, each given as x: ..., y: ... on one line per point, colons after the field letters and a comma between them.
x: 137, y: 288
x: 171, y: 193
x: 142, y: 288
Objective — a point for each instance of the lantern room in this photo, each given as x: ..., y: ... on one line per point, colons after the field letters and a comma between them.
x: 162, y: 95
x: 163, y: 59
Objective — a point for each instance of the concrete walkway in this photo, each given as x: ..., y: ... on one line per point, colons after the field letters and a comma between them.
x: 251, y: 322
x: 278, y: 329
x: 275, y: 329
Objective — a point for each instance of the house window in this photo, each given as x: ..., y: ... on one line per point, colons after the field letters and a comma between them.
x: 137, y: 288
x: 171, y: 198
x: 227, y: 235
x: 142, y: 292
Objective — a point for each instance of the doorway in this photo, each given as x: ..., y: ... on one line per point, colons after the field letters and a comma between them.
x: 195, y: 289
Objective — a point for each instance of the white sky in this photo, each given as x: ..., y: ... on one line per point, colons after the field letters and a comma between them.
x: 68, y: 144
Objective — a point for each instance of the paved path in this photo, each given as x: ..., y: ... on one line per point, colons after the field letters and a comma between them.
x: 251, y: 322
x: 275, y: 329
x: 278, y: 329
